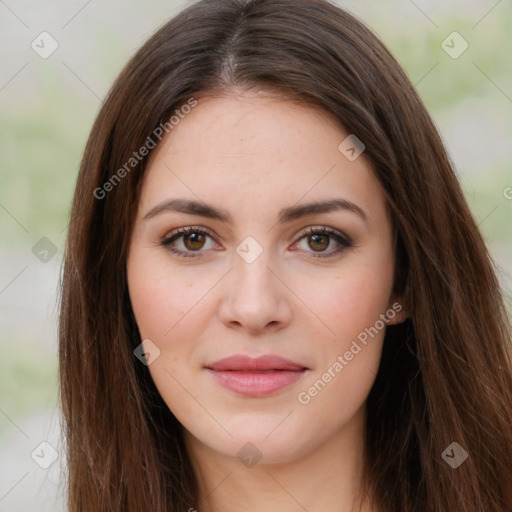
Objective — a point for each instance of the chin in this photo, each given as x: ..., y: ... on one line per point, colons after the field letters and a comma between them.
x: 258, y: 439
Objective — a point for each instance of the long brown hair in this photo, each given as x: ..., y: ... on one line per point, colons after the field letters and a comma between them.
x: 446, y: 372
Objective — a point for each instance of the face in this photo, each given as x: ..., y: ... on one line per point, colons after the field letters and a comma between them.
x: 293, y: 297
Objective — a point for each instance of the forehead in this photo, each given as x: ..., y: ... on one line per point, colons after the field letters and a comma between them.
x: 258, y: 150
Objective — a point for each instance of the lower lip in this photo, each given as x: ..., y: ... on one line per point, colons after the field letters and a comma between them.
x: 256, y: 384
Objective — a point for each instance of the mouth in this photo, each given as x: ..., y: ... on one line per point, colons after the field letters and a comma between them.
x: 256, y: 377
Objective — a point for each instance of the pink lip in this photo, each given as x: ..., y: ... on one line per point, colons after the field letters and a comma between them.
x: 255, y: 376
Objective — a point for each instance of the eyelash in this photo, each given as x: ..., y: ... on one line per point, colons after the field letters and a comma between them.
x: 343, y: 240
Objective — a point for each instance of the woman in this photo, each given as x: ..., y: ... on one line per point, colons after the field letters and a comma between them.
x: 274, y: 295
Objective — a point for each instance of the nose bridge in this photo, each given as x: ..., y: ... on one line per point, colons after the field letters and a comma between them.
x: 252, y: 273
x: 255, y: 297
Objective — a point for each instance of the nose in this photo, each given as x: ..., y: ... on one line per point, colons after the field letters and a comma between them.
x: 254, y: 298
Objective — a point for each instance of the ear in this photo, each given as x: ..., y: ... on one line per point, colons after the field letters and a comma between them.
x: 396, y: 312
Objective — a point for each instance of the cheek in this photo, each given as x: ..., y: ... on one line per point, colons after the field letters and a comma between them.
x: 168, y: 310
x: 346, y: 303
x: 351, y: 306
x: 347, y: 363
x: 163, y: 299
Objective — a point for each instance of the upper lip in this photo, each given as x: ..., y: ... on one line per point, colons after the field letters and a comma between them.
x: 242, y: 362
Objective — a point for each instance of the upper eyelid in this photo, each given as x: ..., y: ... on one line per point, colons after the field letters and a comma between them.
x: 183, y: 231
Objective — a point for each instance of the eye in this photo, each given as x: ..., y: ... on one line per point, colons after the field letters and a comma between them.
x: 193, y: 240
x: 320, y: 238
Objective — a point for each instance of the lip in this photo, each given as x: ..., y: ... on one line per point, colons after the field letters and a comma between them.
x: 256, y: 377
x: 242, y: 363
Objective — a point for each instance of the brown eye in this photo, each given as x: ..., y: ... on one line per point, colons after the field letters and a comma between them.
x: 190, y: 240
x: 318, y: 242
x: 194, y: 241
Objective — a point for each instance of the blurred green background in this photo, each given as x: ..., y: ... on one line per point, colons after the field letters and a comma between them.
x: 47, y: 107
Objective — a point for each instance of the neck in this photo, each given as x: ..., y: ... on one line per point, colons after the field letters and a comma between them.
x: 327, y: 478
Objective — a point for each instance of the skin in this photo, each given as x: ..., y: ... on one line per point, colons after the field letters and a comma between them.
x: 253, y: 153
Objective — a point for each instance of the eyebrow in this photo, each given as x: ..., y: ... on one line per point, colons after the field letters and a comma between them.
x: 285, y: 215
